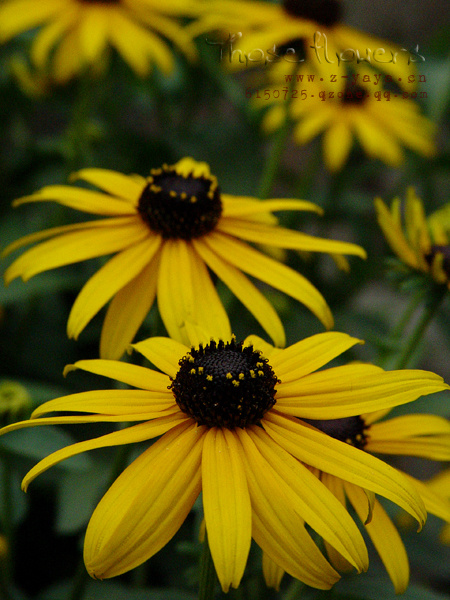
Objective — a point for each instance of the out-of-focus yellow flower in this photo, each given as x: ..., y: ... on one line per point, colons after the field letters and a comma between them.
x: 15, y: 401
x: 76, y: 33
x: 422, y: 243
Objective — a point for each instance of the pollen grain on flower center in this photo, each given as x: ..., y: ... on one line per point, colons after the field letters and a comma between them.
x: 180, y: 206
x: 349, y: 429
x: 225, y: 385
x: 324, y: 12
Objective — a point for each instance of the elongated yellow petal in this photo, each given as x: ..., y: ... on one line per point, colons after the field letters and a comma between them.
x: 385, y: 538
x: 130, y: 435
x: 92, y: 33
x: 310, y: 354
x: 22, y: 15
x: 226, y: 502
x: 285, y: 238
x: 247, y: 293
x: 270, y: 271
x: 74, y: 247
x: 127, y: 310
x: 343, y: 460
x: 436, y: 447
x: 277, y: 527
x: 394, y: 235
x: 113, y: 182
x: 241, y: 206
x: 337, y: 143
x: 49, y: 35
x: 81, y: 199
x: 314, y: 502
x: 134, y: 375
x: 407, y: 426
x: 273, y: 574
x: 187, y: 296
x: 108, y: 280
x: 436, y: 500
x: 108, y: 402
x: 146, y: 505
x: 163, y: 352
x: 353, y: 390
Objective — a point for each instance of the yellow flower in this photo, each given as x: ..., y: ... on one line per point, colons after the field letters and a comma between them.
x: 423, y: 435
x: 76, y: 33
x: 423, y: 244
x: 344, y: 113
x: 440, y: 486
x: 265, y: 33
x: 167, y: 230
x: 230, y: 426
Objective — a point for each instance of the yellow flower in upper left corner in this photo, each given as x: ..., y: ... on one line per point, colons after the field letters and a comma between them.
x: 81, y: 30
x: 166, y: 231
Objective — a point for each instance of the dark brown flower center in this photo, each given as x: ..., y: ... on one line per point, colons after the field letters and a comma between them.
x: 350, y: 430
x: 225, y: 385
x: 323, y: 12
x: 445, y: 252
x: 179, y: 206
x: 295, y: 47
x: 354, y: 94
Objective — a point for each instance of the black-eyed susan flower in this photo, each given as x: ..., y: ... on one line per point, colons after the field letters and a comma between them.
x: 230, y: 423
x: 423, y: 435
x: 421, y: 243
x: 77, y: 33
x: 292, y: 31
x: 166, y: 231
x: 381, y: 121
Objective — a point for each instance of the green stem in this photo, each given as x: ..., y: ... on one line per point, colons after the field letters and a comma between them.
x: 431, y: 306
x: 208, y: 575
x: 272, y: 164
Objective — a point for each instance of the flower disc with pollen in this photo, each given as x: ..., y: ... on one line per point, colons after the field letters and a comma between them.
x: 180, y: 205
x: 225, y: 385
x: 349, y: 429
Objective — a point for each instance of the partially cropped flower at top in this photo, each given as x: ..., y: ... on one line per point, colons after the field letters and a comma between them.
x: 76, y: 33
x: 230, y: 421
x: 422, y: 244
x: 292, y: 31
x: 345, y: 112
x: 167, y: 230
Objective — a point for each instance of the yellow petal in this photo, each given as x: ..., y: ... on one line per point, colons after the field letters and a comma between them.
x: 270, y: 271
x: 353, y: 390
x: 22, y: 15
x: 108, y: 402
x: 88, y: 201
x: 130, y: 435
x: 308, y: 355
x: 342, y: 460
x: 163, y: 352
x: 394, y: 234
x: 226, y: 502
x: 337, y: 143
x: 385, y: 538
x: 315, y: 504
x: 134, y: 375
x: 187, y: 296
x: 436, y: 499
x: 116, y: 184
x: 127, y: 311
x: 277, y: 527
x: 146, y: 505
x: 107, y: 281
x: 273, y: 574
x: 247, y: 293
x: 75, y: 247
x: 285, y: 238
x: 241, y: 207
